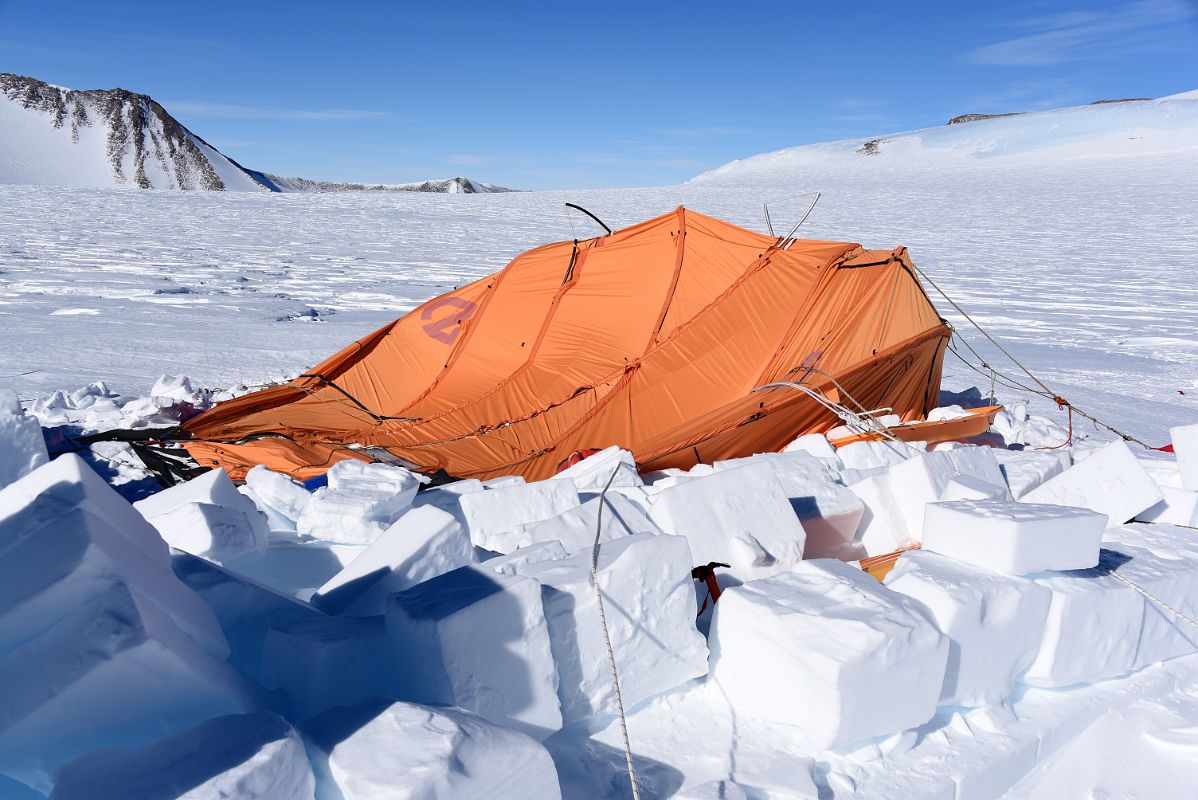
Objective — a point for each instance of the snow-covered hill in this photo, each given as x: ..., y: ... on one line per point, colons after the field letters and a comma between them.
x: 54, y: 136
x: 457, y: 185
x: 1129, y: 128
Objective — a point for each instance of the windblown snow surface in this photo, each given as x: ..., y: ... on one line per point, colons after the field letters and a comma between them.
x: 1071, y: 235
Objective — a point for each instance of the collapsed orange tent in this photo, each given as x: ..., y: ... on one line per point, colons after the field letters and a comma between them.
x: 652, y: 338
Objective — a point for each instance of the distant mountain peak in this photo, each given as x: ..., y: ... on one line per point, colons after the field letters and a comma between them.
x: 142, y: 145
x: 52, y: 135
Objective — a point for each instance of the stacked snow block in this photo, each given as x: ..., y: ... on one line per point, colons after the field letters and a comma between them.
x: 875, y: 454
x: 610, y: 467
x: 827, y: 648
x: 255, y: 756
x: 828, y: 512
x: 925, y: 477
x: 649, y: 601
x: 423, y: 543
x: 740, y: 517
x: 1110, y: 481
x: 994, y: 623
x: 318, y: 663
x: 280, y: 498
x: 816, y: 444
x: 1100, y: 627
x: 1024, y: 470
x: 100, y: 643
x: 1012, y: 537
x: 1177, y: 507
x: 22, y: 448
x: 1185, y: 444
x: 477, y: 639
x: 515, y: 562
x: 895, y: 499
x: 447, y: 498
x: 360, y: 501
x: 298, y: 567
x: 575, y: 529
x: 208, y: 517
x: 245, y: 609
x: 401, y: 750
x: 882, y: 528
x: 492, y: 516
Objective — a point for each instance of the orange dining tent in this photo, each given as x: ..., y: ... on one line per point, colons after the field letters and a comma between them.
x: 652, y: 338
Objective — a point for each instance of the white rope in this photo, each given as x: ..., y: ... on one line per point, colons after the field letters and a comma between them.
x: 1147, y: 595
x: 611, y: 654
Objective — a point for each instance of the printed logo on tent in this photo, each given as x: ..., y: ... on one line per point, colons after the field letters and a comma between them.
x: 448, y: 328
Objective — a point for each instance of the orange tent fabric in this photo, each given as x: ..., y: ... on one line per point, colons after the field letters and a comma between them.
x: 652, y: 338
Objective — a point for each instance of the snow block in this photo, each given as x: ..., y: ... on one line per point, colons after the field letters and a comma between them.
x: 447, y: 498
x: 737, y: 516
x: 403, y: 751
x: 246, y: 756
x: 967, y: 487
x: 649, y: 600
x: 829, y: 649
x: 1185, y: 445
x: 923, y: 479
x: 22, y: 448
x: 492, y: 516
x: 593, y: 472
x: 323, y: 662
x: 994, y: 622
x: 828, y: 512
x: 1100, y: 627
x: 1110, y: 481
x: 1012, y: 537
x: 515, y: 562
x: 245, y: 609
x: 575, y: 529
x: 218, y: 533
x: 117, y: 671
x: 282, y: 495
x: 817, y: 445
x: 298, y: 568
x: 56, y: 559
x: 882, y: 529
x: 68, y: 482
x: 360, y: 501
x: 482, y: 644
x: 423, y: 543
x: 1179, y: 507
x: 213, y: 487
x: 274, y: 520
x: 870, y: 454
x: 10, y: 403
x: 1027, y: 469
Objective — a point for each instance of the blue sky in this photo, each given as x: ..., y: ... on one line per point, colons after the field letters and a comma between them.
x: 579, y: 95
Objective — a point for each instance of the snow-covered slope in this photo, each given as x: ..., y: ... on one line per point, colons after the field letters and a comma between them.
x: 1130, y: 128
x: 447, y: 186
x: 54, y: 136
